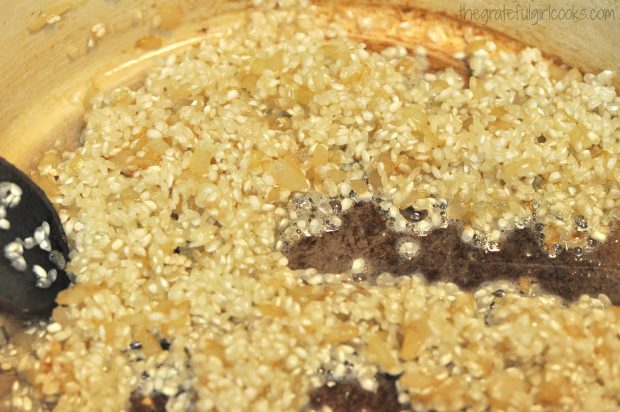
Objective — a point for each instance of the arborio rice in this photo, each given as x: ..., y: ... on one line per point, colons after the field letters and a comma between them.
x: 176, y: 198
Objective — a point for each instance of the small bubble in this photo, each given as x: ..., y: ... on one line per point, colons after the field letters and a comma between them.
x: 499, y: 293
x: 330, y: 227
x: 556, y: 249
x: 165, y: 344
x: 581, y: 223
x: 413, y: 215
x: 336, y: 206
x: 578, y: 251
x: 592, y: 242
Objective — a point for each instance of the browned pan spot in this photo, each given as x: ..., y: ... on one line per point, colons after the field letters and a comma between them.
x: 443, y: 256
x: 438, y: 60
x: 347, y: 395
x: 156, y: 402
x: 7, y: 379
x: 440, y: 34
